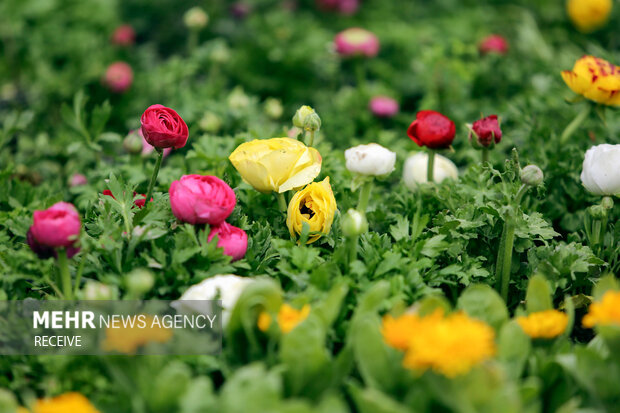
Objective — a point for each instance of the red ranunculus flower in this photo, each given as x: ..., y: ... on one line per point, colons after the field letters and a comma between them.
x: 56, y: 227
x: 486, y: 130
x: 201, y: 199
x: 233, y: 240
x: 432, y: 129
x: 163, y: 128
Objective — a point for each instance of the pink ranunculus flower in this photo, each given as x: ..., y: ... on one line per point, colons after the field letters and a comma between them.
x: 148, y: 149
x: 233, y: 240
x: 77, y: 180
x: 118, y: 77
x: 356, y: 42
x: 124, y: 36
x: 383, y: 106
x: 201, y: 199
x: 486, y: 131
x: 58, y: 226
x: 163, y: 128
x: 493, y: 43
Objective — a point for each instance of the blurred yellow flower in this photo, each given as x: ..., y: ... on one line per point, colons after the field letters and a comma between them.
x: 588, y: 15
x: 398, y: 331
x: 127, y: 339
x: 65, y: 403
x: 278, y: 164
x: 544, y: 324
x: 288, y: 318
x: 450, y: 345
x: 595, y: 79
x: 604, y: 312
x: 314, y: 205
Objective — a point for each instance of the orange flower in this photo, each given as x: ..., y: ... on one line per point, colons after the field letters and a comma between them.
x: 604, y: 312
x: 544, y: 324
x: 65, y: 403
x: 595, y: 79
x: 288, y: 318
x: 397, y: 332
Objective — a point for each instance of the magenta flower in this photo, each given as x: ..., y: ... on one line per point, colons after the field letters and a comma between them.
x: 124, y: 36
x: 201, y: 199
x: 356, y: 42
x: 493, y: 44
x: 56, y: 227
x: 77, y: 180
x: 163, y: 127
x: 383, y: 106
x: 233, y: 240
x: 118, y: 77
x: 486, y: 131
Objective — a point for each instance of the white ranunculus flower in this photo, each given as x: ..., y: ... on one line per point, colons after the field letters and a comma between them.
x: 371, y: 159
x: 227, y: 288
x: 601, y: 170
x: 415, y: 169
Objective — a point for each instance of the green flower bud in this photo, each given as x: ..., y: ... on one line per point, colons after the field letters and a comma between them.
x: 139, y: 281
x: 237, y: 99
x: 195, y: 18
x: 607, y: 202
x: 312, y: 122
x: 300, y: 116
x: 133, y: 142
x: 210, y: 122
x: 220, y: 53
x: 597, y: 212
x: 532, y: 175
x: 94, y: 290
x: 354, y: 223
x: 273, y: 108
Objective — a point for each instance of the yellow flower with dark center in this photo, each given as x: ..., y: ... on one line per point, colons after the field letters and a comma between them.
x: 128, y: 338
x: 314, y: 205
x: 288, y: 318
x: 589, y: 15
x: 544, y: 324
x: 278, y: 164
x: 605, y: 312
x: 450, y: 345
x: 65, y: 403
x: 595, y: 79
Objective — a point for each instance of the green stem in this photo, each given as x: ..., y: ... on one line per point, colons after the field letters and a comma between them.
x: 80, y: 271
x: 352, y: 241
x: 504, y: 256
x: 360, y: 74
x: 149, y: 193
x: 575, y: 123
x: 520, y: 194
x: 364, y: 197
x: 281, y: 202
x: 485, y: 155
x: 311, y: 140
x: 430, y: 166
x: 65, y: 275
x: 192, y: 41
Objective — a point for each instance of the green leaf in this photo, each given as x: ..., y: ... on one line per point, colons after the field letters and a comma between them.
x: 538, y: 296
x: 484, y: 303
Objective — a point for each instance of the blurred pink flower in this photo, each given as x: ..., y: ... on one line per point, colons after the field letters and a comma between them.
x: 493, y: 43
x: 118, y: 77
x: 383, y: 106
x: 356, y: 42
x: 346, y: 7
x: 124, y: 35
x: 77, y: 180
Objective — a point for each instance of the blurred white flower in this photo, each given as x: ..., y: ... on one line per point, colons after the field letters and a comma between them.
x: 601, y: 170
x: 227, y: 288
x: 371, y: 159
x: 414, y: 171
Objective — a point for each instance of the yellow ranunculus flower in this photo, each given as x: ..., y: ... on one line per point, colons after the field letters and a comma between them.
x: 278, y: 164
x: 588, y: 15
x: 288, y: 318
x: 595, y: 79
x: 605, y: 312
x: 66, y: 403
x: 544, y: 324
x: 314, y: 205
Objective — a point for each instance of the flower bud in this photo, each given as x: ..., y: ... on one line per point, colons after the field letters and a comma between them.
x: 372, y: 159
x: 532, y: 175
x: 210, y: 122
x: 356, y: 42
x: 118, y: 77
x: 432, y: 129
x: 493, y: 44
x: 415, y: 170
x: 195, y: 18
x: 133, y: 142
x: 312, y: 123
x: 233, y: 240
x: 237, y: 99
x: 163, y: 128
x: 301, y: 115
x: 124, y: 36
x: 273, y: 108
x: 77, y: 180
x: 139, y: 281
x: 485, y: 132
x: 383, y: 106
x: 600, y: 174
x: 94, y: 290
x: 220, y: 53
x: 354, y: 223
x: 607, y: 202
x: 597, y: 212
